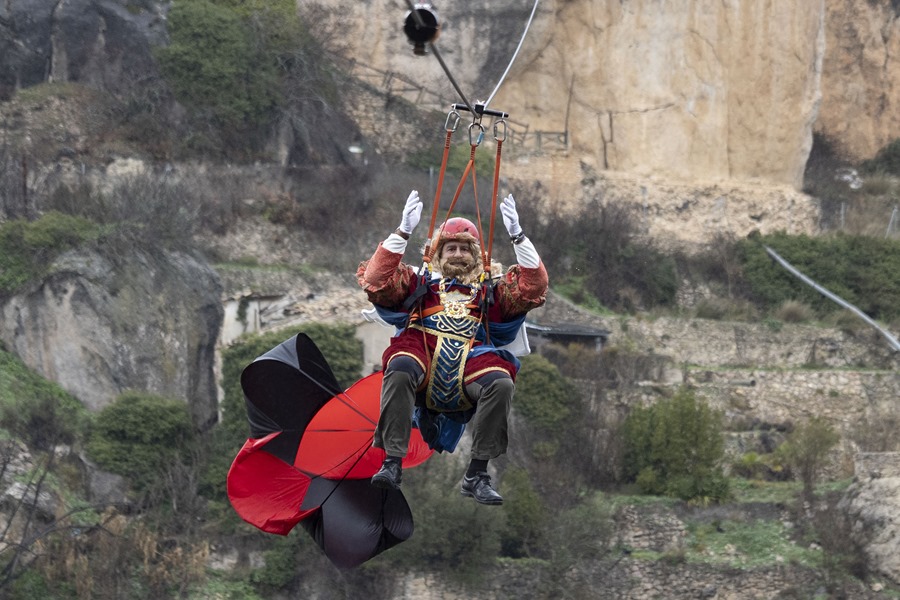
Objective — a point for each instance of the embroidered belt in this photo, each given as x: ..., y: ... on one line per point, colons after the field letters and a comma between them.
x: 445, y: 391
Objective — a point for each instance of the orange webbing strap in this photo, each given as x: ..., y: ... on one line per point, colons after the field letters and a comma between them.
x: 437, y: 195
x: 429, y: 252
x: 490, y: 250
x: 478, y: 210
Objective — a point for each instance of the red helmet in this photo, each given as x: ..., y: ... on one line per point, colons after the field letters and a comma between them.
x: 459, y: 229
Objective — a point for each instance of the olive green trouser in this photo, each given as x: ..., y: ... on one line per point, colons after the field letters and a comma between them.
x: 492, y: 395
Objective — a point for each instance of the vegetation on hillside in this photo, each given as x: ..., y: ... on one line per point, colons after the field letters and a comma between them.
x: 34, y: 410
x: 557, y: 518
x: 675, y: 447
x: 139, y: 436
x: 239, y: 69
x: 28, y: 249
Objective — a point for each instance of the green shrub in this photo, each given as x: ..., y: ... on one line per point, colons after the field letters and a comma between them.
x: 575, y: 289
x: 864, y: 271
x: 458, y: 539
x: 716, y: 308
x: 138, y: 435
x: 27, y: 249
x: 806, y: 450
x: 214, y: 65
x: 792, y: 311
x: 887, y: 160
x: 221, y: 588
x: 581, y: 535
x: 35, y: 410
x: 526, y: 517
x: 766, y: 467
x: 543, y: 395
x: 281, y: 561
x: 598, y: 248
x: 675, y: 448
x: 32, y: 585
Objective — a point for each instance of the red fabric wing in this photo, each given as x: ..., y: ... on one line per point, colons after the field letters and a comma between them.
x: 337, y: 443
x: 265, y: 491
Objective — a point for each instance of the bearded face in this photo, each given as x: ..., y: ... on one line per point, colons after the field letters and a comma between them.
x: 457, y: 259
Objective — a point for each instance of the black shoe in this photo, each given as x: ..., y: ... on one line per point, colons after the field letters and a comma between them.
x: 389, y: 476
x: 480, y: 488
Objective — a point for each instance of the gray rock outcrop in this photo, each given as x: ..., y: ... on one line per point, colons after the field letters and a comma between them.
x: 102, y: 43
x: 102, y: 324
x: 873, y: 502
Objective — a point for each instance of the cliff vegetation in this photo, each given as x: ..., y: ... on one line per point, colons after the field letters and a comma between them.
x: 124, y: 202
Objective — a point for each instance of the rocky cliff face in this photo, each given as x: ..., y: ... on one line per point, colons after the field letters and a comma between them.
x: 99, y: 42
x: 861, y: 75
x: 103, y: 324
x: 698, y: 90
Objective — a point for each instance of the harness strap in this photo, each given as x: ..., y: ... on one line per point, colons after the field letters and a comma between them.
x: 453, y: 117
x: 494, y: 196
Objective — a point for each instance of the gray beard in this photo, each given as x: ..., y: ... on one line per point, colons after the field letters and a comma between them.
x: 464, y: 273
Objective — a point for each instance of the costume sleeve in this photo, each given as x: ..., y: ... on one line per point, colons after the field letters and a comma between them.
x: 522, y: 289
x: 526, y: 254
x: 385, y: 279
x: 395, y: 244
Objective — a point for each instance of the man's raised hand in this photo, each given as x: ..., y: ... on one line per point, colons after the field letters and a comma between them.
x: 510, y: 216
x: 412, y: 212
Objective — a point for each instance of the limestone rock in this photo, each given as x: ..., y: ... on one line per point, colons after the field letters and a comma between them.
x: 873, y: 502
x: 697, y: 90
x: 102, y: 324
x: 861, y: 76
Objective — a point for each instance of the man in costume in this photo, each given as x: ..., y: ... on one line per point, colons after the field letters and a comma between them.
x: 447, y: 365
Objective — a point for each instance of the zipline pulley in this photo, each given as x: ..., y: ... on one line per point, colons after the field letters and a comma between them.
x: 421, y: 27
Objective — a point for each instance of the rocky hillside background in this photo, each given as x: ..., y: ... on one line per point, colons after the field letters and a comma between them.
x: 695, y: 125
x: 701, y: 91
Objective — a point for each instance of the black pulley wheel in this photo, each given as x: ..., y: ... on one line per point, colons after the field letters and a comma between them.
x: 421, y: 27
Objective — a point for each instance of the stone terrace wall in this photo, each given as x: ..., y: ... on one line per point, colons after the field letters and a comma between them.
x: 640, y: 580
x: 846, y: 398
x: 727, y: 343
x: 627, y: 579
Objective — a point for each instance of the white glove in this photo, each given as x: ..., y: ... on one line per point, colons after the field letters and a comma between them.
x: 510, y: 216
x: 412, y: 212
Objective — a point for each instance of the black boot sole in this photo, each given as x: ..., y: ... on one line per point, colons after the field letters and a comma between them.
x: 485, y: 502
x: 385, y: 483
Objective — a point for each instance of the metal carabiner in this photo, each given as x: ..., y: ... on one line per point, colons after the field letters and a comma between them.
x: 455, y: 117
x: 500, y: 130
x: 480, y: 135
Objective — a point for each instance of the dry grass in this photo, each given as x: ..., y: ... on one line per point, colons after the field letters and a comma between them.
x: 793, y: 311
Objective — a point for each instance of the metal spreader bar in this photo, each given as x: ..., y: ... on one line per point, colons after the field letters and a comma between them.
x: 481, y: 109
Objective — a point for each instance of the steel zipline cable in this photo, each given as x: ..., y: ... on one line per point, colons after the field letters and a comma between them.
x: 482, y: 108
x: 421, y: 27
x: 515, y: 54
